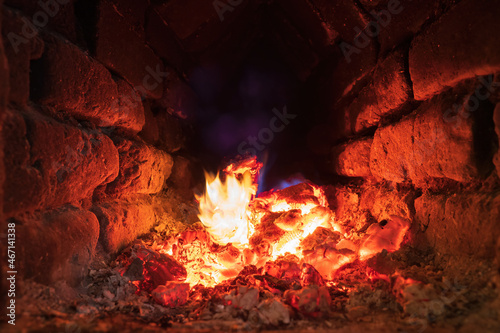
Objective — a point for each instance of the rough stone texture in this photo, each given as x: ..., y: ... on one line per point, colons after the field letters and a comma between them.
x: 164, y: 42
x: 71, y: 82
x: 388, y: 90
x: 4, y: 98
x: 294, y: 49
x: 143, y: 169
x: 346, y: 76
x: 4, y: 94
x: 357, y: 207
x: 385, y: 201
x: 172, y: 136
x: 56, y: 245
x: 174, y: 212
x: 353, y: 159
x: 351, y: 68
x: 497, y: 261
x: 197, y: 24
x: 183, y: 177
x: 59, y: 16
x: 150, y: 132
x: 129, y: 108
x: 114, y: 38
x: 309, y: 22
x: 460, y: 224
x: 372, y: 4
x: 133, y: 12
x: 495, y: 89
x: 496, y: 119
x: 345, y: 202
x: 48, y: 164
x: 455, y: 48
x: 21, y: 46
x: 406, y: 18
x: 433, y: 142
x: 122, y: 221
x: 342, y: 16
x: 178, y: 97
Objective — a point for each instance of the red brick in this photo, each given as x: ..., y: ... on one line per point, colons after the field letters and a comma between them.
x: 143, y: 169
x: 4, y: 93
x: 432, y: 142
x: 69, y: 81
x: 309, y: 22
x: 186, y: 17
x: 178, y: 97
x: 357, y: 207
x: 48, y: 164
x: 496, y: 119
x: 461, y: 224
x: 371, y: 4
x: 56, y: 245
x: 150, y: 132
x: 495, y: 90
x: 164, y: 42
x: 172, y: 137
x: 350, y: 70
x: 346, y: 78
x: 184, y: 176
x: 406, y: 19
x: 114, y: 38
x: 122, y: 221
x: 456, y: 47
x: 197, y: 24
x: 342, y: 16
x: 174, y: 212
x: 20, y: 48
x: 345, y: 203
x: 388, y: 90
x: 128, y: 109
x: 384, y: 201
x: 133, y: 12
x: 4, y: 98
x: 353, y: 159
x: 60, y: 15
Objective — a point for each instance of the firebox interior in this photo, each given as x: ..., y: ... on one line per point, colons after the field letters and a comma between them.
x: 290, y: 165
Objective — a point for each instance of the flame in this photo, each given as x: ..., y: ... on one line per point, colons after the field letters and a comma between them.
x: 239, y: 229
x: 224, y: 206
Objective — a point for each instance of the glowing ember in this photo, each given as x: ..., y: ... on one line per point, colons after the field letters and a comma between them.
x: 388, y: 237
x: 280, y: 233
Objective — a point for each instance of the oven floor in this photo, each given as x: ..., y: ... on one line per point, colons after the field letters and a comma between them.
x: 469, y: 303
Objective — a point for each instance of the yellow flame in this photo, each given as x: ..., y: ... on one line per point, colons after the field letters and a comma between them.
x: 231, y: 214
x: 223, y: 208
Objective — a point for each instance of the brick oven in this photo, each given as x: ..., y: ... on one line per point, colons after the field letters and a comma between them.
x: 257, y: 165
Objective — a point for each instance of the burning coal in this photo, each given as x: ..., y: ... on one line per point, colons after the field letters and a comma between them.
x: 289, y: 234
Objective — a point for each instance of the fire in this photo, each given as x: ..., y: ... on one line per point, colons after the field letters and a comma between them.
x: 293, y: 226
x: 224, y: 206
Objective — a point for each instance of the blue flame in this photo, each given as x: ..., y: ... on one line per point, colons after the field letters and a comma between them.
x: 291, y: 181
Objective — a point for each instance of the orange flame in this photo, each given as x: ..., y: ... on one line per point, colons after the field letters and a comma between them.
x: 252, y: 231
x: 224, y: 206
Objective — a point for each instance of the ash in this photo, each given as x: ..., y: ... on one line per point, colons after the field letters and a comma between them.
x: 392, y: 292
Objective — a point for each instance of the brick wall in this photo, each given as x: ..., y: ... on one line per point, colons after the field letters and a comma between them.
x: 92, y: 127
x: 424, y: 118
x: 4, y: 92
x: 96, y: 116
